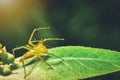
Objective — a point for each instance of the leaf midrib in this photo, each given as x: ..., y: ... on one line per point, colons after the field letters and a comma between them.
x: 89, y: 59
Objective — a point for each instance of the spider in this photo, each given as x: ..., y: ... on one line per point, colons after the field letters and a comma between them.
x: 35, y: 49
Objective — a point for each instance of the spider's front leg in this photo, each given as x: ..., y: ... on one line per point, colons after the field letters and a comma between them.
x: 27, y: 47
x: 32, y: 34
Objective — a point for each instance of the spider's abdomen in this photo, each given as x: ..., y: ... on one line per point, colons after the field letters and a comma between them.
x: 27, y: 55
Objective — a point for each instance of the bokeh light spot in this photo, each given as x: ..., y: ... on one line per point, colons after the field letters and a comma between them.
x: 6, y: 3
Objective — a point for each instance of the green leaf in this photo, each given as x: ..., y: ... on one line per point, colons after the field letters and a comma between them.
x: 79, y: 63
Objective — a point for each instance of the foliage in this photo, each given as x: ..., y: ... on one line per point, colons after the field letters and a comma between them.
x: 78, y: 63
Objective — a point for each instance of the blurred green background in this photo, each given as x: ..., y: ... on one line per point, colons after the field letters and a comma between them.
x: 94, y: 23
